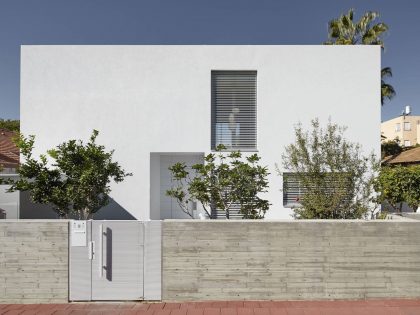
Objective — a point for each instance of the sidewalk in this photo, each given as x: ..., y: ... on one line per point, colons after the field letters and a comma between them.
x: 371, y: 307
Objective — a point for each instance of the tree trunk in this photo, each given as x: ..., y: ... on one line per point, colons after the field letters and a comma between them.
x: 213, y: 212
x: 87, y: 215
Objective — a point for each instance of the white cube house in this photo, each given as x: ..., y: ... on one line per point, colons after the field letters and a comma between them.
x: 159, y: 104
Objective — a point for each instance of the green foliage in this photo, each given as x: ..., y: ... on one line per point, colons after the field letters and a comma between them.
x: 344, y: 30
x: 387, y: 90
x: 221, y: 182
x: 333, y: 173
x: 399, y: 184
x: 9, y: 124
x: 391, y: 147
x: 382, y: 215
x: 76, y: 183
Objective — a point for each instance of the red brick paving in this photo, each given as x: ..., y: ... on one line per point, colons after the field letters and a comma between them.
x: 228, y: 311
x: 179, y: 311
x: 360, y: 307
x: 277, y: 311
x: 211, y: 311
x: 195, y: 311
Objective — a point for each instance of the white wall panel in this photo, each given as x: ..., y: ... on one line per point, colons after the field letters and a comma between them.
x: 147, y: 99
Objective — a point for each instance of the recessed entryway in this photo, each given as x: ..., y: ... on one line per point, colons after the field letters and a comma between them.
x: 162, y: 206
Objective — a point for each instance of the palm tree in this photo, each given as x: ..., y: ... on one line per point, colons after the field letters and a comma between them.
x: 345, y: 31
x: 387, y: 90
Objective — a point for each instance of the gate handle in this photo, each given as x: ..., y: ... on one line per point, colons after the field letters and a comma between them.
x: 101, y: 254
x: 91, y: 249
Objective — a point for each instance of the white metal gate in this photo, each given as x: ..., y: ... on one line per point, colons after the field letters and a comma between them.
x: 109, y: 260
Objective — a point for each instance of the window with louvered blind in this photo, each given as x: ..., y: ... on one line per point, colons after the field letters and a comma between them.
x: 292, y: 190
x: 234, y: 109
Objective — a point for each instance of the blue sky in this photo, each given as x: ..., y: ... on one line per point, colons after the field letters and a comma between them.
x: 293, y: 22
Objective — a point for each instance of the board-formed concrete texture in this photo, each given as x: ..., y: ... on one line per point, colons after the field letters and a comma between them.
x: 157, y: 99
x: 33, y: 261
x: 269, y: 260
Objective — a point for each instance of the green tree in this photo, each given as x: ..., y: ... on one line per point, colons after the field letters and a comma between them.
x: 76, y: 183
x: 387, y: 90
x: 334, y: 175
x: 9, y: 124
x: 222, y: 182
x: 398, y: 184
x: 344, y: 30
x: 390, y: 147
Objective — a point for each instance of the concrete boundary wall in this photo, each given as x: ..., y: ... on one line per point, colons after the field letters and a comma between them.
x: 33, y: 261
x: 277, y: 260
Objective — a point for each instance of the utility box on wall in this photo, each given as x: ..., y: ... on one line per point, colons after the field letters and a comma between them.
x: 78, y: 233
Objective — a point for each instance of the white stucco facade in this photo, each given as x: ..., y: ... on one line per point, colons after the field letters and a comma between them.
x: 151, y: 99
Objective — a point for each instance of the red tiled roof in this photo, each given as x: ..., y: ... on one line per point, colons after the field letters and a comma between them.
x: 9, y: 153
x: 411, y: 156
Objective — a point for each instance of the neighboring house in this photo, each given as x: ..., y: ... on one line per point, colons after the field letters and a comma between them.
x: 9, y: 161
x: 157, y: 105
x: 408, y: 157
x: 405, y: 158
x: 9, y: 153
x: 405, y: 128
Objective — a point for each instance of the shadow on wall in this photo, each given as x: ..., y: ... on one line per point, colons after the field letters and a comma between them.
x: 30, y: 210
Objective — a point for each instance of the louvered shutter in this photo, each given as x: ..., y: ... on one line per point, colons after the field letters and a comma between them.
x: 234, y: 109
x: 234, y: 213
x: 292, y: 190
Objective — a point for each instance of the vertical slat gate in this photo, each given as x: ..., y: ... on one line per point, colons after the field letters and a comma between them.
x: 111, y: 263
x: 80, y: 268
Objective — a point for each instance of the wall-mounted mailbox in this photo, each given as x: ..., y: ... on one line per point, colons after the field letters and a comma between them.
x: 78, y: 233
